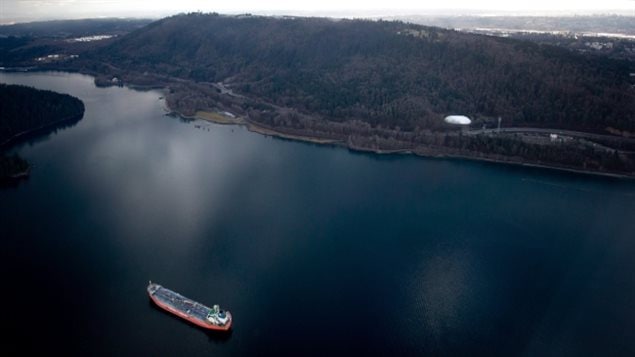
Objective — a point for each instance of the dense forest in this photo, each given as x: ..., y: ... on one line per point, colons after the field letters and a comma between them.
x: 24, y: 110
x: 384, y: 73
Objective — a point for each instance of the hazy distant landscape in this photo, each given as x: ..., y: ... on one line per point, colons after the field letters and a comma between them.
x: 580, y: 24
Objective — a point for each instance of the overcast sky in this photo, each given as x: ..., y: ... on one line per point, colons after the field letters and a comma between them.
x: 22, y: 10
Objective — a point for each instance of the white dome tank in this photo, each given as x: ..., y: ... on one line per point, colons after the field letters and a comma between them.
x: 458, y: 120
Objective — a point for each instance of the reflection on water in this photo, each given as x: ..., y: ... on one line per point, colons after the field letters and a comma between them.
x: 444, y: 285
x: 316, y: 250
x: 39, y: 135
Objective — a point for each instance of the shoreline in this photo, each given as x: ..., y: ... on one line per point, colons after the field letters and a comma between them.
x: 220, y: 119
x: 488, y: 160
x: 430, y: 152
x: 262, y: 130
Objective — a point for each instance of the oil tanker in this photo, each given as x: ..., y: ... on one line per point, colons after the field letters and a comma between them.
x: 208, y: 318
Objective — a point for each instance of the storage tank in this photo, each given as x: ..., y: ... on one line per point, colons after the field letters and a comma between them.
x: 458, y: 120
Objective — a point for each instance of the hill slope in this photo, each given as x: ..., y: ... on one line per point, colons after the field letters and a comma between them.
x: 383, y: 87
x: 389, y: 74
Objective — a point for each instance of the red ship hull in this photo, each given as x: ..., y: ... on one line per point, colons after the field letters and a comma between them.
x: 190, y: 318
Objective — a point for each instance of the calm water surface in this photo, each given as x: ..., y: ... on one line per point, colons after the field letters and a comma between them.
x: 314, y: 249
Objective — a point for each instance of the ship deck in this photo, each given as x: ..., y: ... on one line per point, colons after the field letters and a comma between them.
x: 182, y: 303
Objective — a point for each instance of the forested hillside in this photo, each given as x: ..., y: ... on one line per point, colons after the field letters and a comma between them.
x: 387, y: 74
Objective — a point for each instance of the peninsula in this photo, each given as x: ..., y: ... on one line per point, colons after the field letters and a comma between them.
x: 25, y: 111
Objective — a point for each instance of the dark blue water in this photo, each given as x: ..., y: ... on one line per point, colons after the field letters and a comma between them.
x: 314, y: 249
